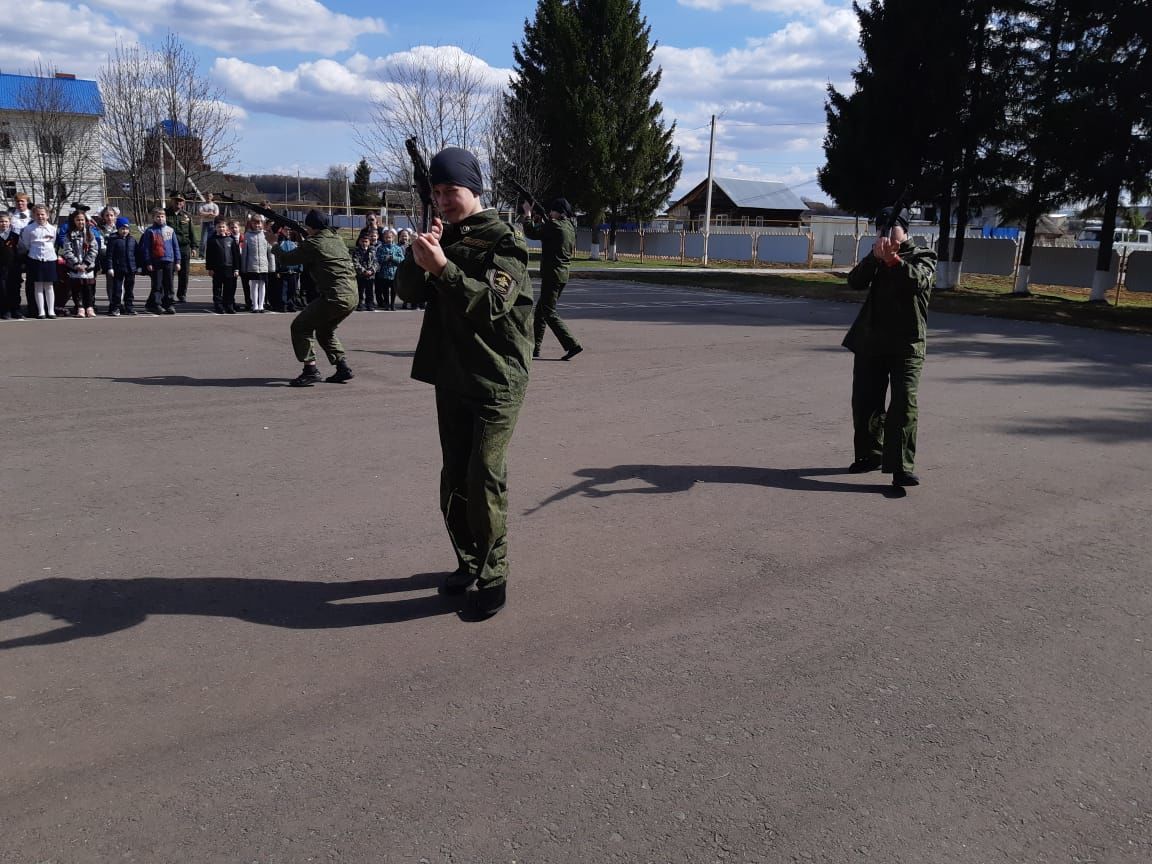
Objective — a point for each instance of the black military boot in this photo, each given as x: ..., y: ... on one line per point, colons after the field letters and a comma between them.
x: 457, y: 582
x: 905, y: 478
x: 572, y: 352
x: 307, y: 378
x: 864, y: 465
x: 485, y: 603
x: 342, y: 373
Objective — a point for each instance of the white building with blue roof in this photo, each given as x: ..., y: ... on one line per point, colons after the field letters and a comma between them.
x: 50, y: 140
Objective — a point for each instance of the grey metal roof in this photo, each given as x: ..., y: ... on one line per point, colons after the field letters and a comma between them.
x: 79, y: 96
x: 761, y: 194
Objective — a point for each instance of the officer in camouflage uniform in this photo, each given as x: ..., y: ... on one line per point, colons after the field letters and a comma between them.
x: 181, y: 222
x: 888, y: 340
x: 476, y: 349
x: 557, y: 236
x: 325, y: 258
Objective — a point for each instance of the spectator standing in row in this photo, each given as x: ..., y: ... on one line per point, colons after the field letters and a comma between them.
x: 121, y: 264
x: 209, y: 212
x: 180, y: 221
x: 364, y: 260
x: 256, y: 262
x: 160, y: 254
x: 38, y: 244
x: 389, y: 255
x: 106, y: 227
x: 80, y: 250
x: 222, y: 261
x: 371, y: 229
x: 21, y: 217
x: 237, y: 231
x: 9, y: 271
x: 290, y: 299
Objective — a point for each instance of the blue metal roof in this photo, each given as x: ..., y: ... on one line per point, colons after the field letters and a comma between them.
x: 761, y: 194
x: 79, y: 96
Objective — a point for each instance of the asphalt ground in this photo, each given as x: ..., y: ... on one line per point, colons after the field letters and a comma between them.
x: 220, y: 639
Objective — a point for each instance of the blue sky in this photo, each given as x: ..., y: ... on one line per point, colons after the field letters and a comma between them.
x: 301, y: 73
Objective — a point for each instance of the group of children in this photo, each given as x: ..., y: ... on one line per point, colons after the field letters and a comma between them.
x: 379, y: 251
x: 45, y: 258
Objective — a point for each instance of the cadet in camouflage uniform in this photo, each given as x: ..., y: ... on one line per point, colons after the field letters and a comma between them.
x: 181, y: 222
x: 476, y: 349
x: 327, y: 261
x: 557, y: 236
x: 888, y: 339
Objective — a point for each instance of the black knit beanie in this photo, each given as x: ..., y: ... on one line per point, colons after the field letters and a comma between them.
x: 316, y: 219
x: 456, y: 167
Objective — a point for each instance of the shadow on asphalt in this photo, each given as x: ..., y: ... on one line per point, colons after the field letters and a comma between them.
x: 96, y: 607
x: 385, y: 353
x: 667, y: 479
x: 174, y: 380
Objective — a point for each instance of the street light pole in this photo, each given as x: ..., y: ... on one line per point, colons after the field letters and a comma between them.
x: 708, y: 194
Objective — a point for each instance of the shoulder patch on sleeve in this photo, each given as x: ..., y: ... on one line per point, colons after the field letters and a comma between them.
x: 501, y: 281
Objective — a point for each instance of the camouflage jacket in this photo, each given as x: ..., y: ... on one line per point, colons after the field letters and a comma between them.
x: 894, y: 318
x: 181, y: 222
x: 557, y: 243
x: 476, y: 339
x: 326, y: 259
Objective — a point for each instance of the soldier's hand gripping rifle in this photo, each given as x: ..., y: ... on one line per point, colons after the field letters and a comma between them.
x: 420, y: 181
x: 525, y: 195
x: 275, y: 220
x: 898, y: 207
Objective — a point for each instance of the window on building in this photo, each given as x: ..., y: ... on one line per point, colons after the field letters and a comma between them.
x: 53, y: 144
x: 5, y: 140
x: 8, y: 189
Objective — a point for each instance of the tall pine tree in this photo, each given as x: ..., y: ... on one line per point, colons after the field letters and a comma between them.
x: 584, y: 69
x: 359, y: 191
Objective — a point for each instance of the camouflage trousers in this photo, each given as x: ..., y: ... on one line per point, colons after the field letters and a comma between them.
x: 474, y: 438
x: 886, y: 433
x: 320, y: 317
x: 545, y: 315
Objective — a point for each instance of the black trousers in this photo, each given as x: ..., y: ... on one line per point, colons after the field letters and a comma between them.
x: 162, y: 294
x: 121, y: 294
x: 223, y: 289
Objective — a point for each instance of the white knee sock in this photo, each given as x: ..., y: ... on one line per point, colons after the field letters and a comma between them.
x: 257, y: 286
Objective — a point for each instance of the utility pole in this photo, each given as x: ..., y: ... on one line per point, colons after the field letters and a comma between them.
x: 708, y: 194
x: 298, y: 197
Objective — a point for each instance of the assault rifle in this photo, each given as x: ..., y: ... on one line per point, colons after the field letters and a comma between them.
x: 275, y: 220
x: 420, y: 181
x: 525, y: 195
x: 901, y: 203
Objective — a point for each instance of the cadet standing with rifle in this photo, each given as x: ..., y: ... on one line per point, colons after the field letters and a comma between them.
x: 475, y: 347
x: 557, y: 236
x: 326, y: 258
x: 181, y: 222
x: 888, y: 339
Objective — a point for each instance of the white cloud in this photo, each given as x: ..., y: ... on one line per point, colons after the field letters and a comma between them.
x: 806, y: 8
x: 61, y: 36
x: 768, y: 94
x: 249, y: 26
x: 329, y: 89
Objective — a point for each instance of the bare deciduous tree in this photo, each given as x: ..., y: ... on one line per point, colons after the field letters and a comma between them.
x: 166, y: 126
x: 441, y: 96
x: 514, y: 140
x: 54, y: 142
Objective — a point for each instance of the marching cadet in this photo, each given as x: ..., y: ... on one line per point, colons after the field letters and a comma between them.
x: 326, y: 260
x: 475, y: 348
x: 888, y: 339
x: 557, y: 236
